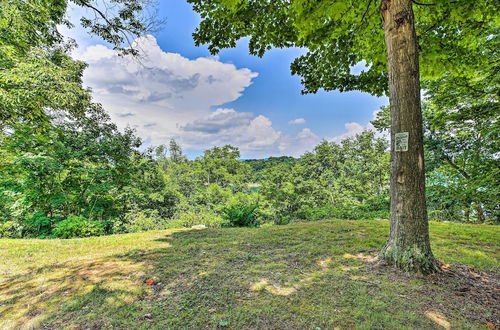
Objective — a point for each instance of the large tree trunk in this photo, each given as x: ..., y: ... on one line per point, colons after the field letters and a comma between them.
x: 408, y: 246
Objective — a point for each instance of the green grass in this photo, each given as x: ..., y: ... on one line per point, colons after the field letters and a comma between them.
x: 312, y: 275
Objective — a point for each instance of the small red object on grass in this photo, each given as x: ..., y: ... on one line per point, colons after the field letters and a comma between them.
x: 150, y: 282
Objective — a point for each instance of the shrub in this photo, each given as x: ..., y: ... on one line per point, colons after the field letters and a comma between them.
x: 197, y: 216
x: 242, y: 210
x: 117, y: 226
x: 76, y: 226
x: 10, y: 229
x: 267, y: 214
x: 282, y: 220
x: 241, y: 215
x: 137, y: 221
x: 38, y: 225
x: 347, y: 213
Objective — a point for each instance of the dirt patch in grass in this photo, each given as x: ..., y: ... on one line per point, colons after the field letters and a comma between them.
x: 466, y: 286
x: 455, y: 290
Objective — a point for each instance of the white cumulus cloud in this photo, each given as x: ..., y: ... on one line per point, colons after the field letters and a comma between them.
x: 306, y: 140
x: 354, y: 128
x: 298, y: 121
x: 164, y: 91
x: 256, y: 136
x: 166, y: 95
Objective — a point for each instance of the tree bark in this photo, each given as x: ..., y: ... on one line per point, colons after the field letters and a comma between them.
x: 408, y: 246
x: 467, y: 214
x: 480, y: 213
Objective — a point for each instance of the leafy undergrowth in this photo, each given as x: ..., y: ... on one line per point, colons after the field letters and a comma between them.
x: 317, y: 275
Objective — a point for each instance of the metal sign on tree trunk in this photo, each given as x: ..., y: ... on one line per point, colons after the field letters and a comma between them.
x: 401, y: 141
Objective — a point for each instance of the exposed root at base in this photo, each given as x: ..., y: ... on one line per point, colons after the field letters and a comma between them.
x: 413, y: 259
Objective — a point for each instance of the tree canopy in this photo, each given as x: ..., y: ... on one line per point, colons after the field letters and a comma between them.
x: 36, y: 71
x: 341, y: 34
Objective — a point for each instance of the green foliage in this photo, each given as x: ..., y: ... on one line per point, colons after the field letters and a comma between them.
x: 279, y: 193
x: 341, y: 34
x: 198, y: 216
x: 10, y: 229
x: 213, y: 196
x: 28, y: 24
x: 83, y: 165
x: 249, y: 204
x: 137, y: 221
x: 344, y: 213
x: 36, y: 70
x: 259, y: 166
x: 43, y: 79
x: 38, y: 225
x: 77, y: 167
x: 78, y: 226
x: 461, y: 142
x: 221, y: 165
x: 346, y: 181
x: 240, y: 215
x: 61, y: 155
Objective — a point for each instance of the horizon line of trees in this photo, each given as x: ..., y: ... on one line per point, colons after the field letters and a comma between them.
x: 82, y: 176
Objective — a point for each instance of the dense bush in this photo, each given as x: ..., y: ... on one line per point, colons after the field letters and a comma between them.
x: 243, y: 210
x: 10, y: 229
x: 77, y: 226
x: 344, y: 181
x: 241, y: 215
x: 347, y: 213
x: 38, y: 225
x: 197, y: 216
x: 137, y: 221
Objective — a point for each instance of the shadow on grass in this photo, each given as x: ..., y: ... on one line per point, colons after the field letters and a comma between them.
x: 280, y: 278
x: 68, y: 289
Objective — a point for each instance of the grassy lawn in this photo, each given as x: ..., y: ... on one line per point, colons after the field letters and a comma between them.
x: 317, y: 275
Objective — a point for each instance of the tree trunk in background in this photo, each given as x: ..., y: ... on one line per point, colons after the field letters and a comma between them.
x: 480, y: 213
x: 408, y: 245
x: 467, y: 214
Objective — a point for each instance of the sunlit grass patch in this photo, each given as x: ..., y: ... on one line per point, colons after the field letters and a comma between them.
x: 42, y: 278
x: 307, y: 275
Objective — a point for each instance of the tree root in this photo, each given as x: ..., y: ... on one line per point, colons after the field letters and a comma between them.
x: 413, y: 259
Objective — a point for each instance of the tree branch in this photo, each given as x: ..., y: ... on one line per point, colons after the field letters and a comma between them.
x: 364, y: 16
x: 88, y: 5
x: 455, y: 166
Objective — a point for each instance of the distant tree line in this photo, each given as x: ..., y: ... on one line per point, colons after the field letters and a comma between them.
x: 82, y: 176
x: 259, y: 165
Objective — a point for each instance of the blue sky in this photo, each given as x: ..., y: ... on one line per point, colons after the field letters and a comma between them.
x: 256, y: 103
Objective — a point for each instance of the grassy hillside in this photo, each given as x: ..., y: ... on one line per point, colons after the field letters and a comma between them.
x: 318, y: 275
